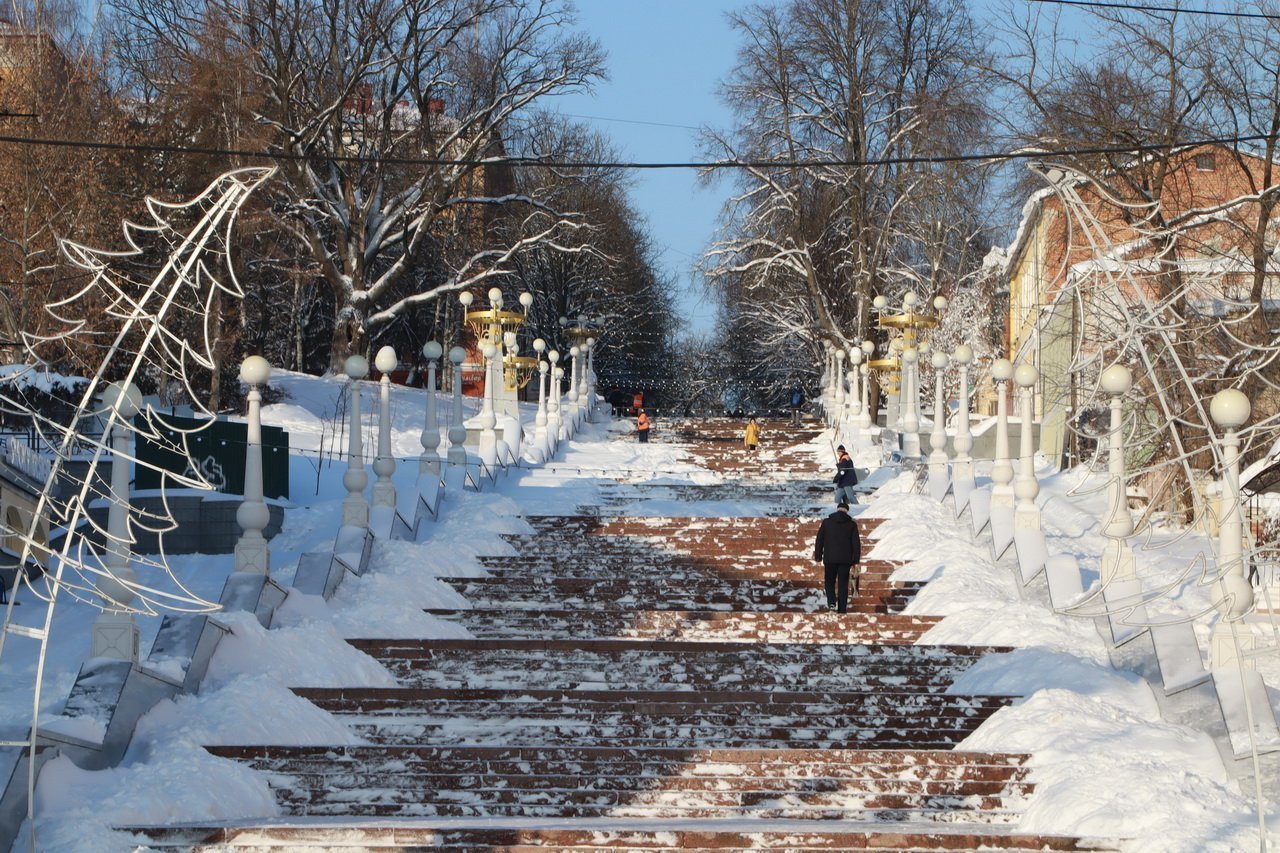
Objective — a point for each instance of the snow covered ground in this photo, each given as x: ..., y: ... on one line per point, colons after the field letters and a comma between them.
x: 1106, y: 761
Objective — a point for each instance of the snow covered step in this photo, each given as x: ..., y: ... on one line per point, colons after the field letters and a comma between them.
x: 736, y: 528
x: 666, y: 666
x: 594, y: 564
x: 649, y: 837
x: 697, y: 625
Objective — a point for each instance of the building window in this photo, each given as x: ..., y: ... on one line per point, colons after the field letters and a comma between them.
x: 1206, y: 163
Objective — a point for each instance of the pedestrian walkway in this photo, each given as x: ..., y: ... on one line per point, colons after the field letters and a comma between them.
x: 655, y: 683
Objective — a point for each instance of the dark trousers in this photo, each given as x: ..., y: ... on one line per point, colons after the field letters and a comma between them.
x: 643, y: 435
x: 837, y: 579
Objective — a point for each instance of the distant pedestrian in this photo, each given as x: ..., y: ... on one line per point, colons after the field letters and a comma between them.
x: 839, y: 549
x: 797, y: 403
x: 751, y: 436
x: 642, y: 427
x: 846, y: 478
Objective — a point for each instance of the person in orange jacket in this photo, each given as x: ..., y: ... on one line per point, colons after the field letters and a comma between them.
x: 751, y: 436
x: 642, y: 426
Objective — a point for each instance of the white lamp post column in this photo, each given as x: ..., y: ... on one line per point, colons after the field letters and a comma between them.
x: 1002, y: 469
x: 962, y: 468
x: 574, y: 411
x: 1026, y: 515
x: 430, y: 459
x: 592, y: 343
x: 1230, y: 409
x: 907, y: 403
x: 115, y: 632
x: 1117, y: 557
x: 837, y: 405
x: 355, y: 509
x: 938, y: 437
x: 384, y: 465
x: 540, y: 420
x: 457, y: 456
x: 487, y: 420
x: 855, y: 395
x: 555, y: 425
x: 828, y: 381
x: 252, y: 552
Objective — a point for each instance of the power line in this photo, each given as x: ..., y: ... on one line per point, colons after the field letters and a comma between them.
x: 1142, y: 7
x: 633, y: 121
x: 521, y: 162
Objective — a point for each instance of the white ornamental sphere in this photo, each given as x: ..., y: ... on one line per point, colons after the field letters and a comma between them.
x: 582, y: 319
x: 495, y: 297
x: 591, y: 342
x: 466, y: 297
x: 509, y: 340
x: 839, y: 355
x: 1237, y: 597
x: 539, y: 345
x: 868, y: 347
x: 922, y: 347
x: 939, y: 303
x: 939, y: 360
x: 573, y: 351
x: 564, y: 321
x: 1026, y: 375
x: 386, y: 360
x: 880, y: 302
x: 909, y: 299
x: 1001, y: 370
x: 457, y: 355
x: 851, y: 375
x: 356, y: 367
x: 431, y: 350
x: 1116, y: 380
x: 526, y: 299
x: 124, y: 396
x: 1230, y: 408
x: 255, y: 370
x: 963, y: 354
x: 909, y: 355
x: 865, y: 369
x: 553, y: 356
x: 489, y: 351
x: 855, y: 355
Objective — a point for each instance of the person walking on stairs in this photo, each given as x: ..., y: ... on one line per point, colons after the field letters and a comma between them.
x: 839, y: 549
x: 642, y: 427
x: 846, y: 478
x: 797, y: 403
x: 751, y: 436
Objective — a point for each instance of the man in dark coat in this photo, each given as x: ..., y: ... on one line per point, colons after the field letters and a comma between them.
x: 839, y: 549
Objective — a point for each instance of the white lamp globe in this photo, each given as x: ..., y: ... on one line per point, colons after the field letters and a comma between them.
x: 553, y: 356
x: 564, y: 321
x: 939, y: 303
x: 591, y: 342
x: 1026, y: 375
x: 868, y: 348
x: 489, y: 351
x: 1002, y: 370
x: 1230, y: 408
x: 909, y: 355
x: 125, y: 397
x: 879, y: 302
x: 509, y: 340
x: 356, y: 367
x: 255, y: 370
x: 466, y: 297
x: 526, y: 299
x: 923, y: 347
x: 909, y: 299
x: 963, y: 354
x: 431, y: 350
x: 865, y: 369
x: 457, y: 355
x: 386, y: 360
x: 539, y: 345
x: 495, y: 297
x: 939, y: 360
x: 1116, y: 380
x: 573, y: 351
x: 855, y: 355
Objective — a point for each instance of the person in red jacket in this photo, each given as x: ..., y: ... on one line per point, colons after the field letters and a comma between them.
x: 642, y: 426
x: 839, y: 549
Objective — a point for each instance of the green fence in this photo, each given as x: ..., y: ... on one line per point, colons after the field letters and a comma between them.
x: 216, y: 449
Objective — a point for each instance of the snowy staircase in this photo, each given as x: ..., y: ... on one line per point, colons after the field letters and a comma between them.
x: 654, y: 684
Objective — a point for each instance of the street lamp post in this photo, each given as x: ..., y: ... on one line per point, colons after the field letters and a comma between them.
x: 938, y: 437
x: 430, y: 459
x: 574, y: 410
x: 1002, y: 467
x: 962, y: 467
x: 252, y: 552
x: 457, y: 455
x: 115, y: 632
x: 355, y: 509
x: 555, y: 422
x: 540, y: 420
x: 907, y: 401
x: 1230, y: 409
x: 1117, y: 557
x: 487, y: 419
x: 384, y: 464
x: 1027, y: 514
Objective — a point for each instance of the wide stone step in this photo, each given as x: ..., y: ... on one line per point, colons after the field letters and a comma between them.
x: 698, y: 625
x: 665, y: 666
x: 738, y: 528
x: 655, y: 837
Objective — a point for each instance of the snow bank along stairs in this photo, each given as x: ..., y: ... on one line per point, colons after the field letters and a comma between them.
x: 659, y: 683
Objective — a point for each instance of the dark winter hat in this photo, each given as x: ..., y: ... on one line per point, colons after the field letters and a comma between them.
x: 842, y: 505
x: 839, y: 447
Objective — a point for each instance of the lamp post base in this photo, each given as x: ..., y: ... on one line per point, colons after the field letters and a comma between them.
x: 115, y: 635
x: 1225, y: 640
